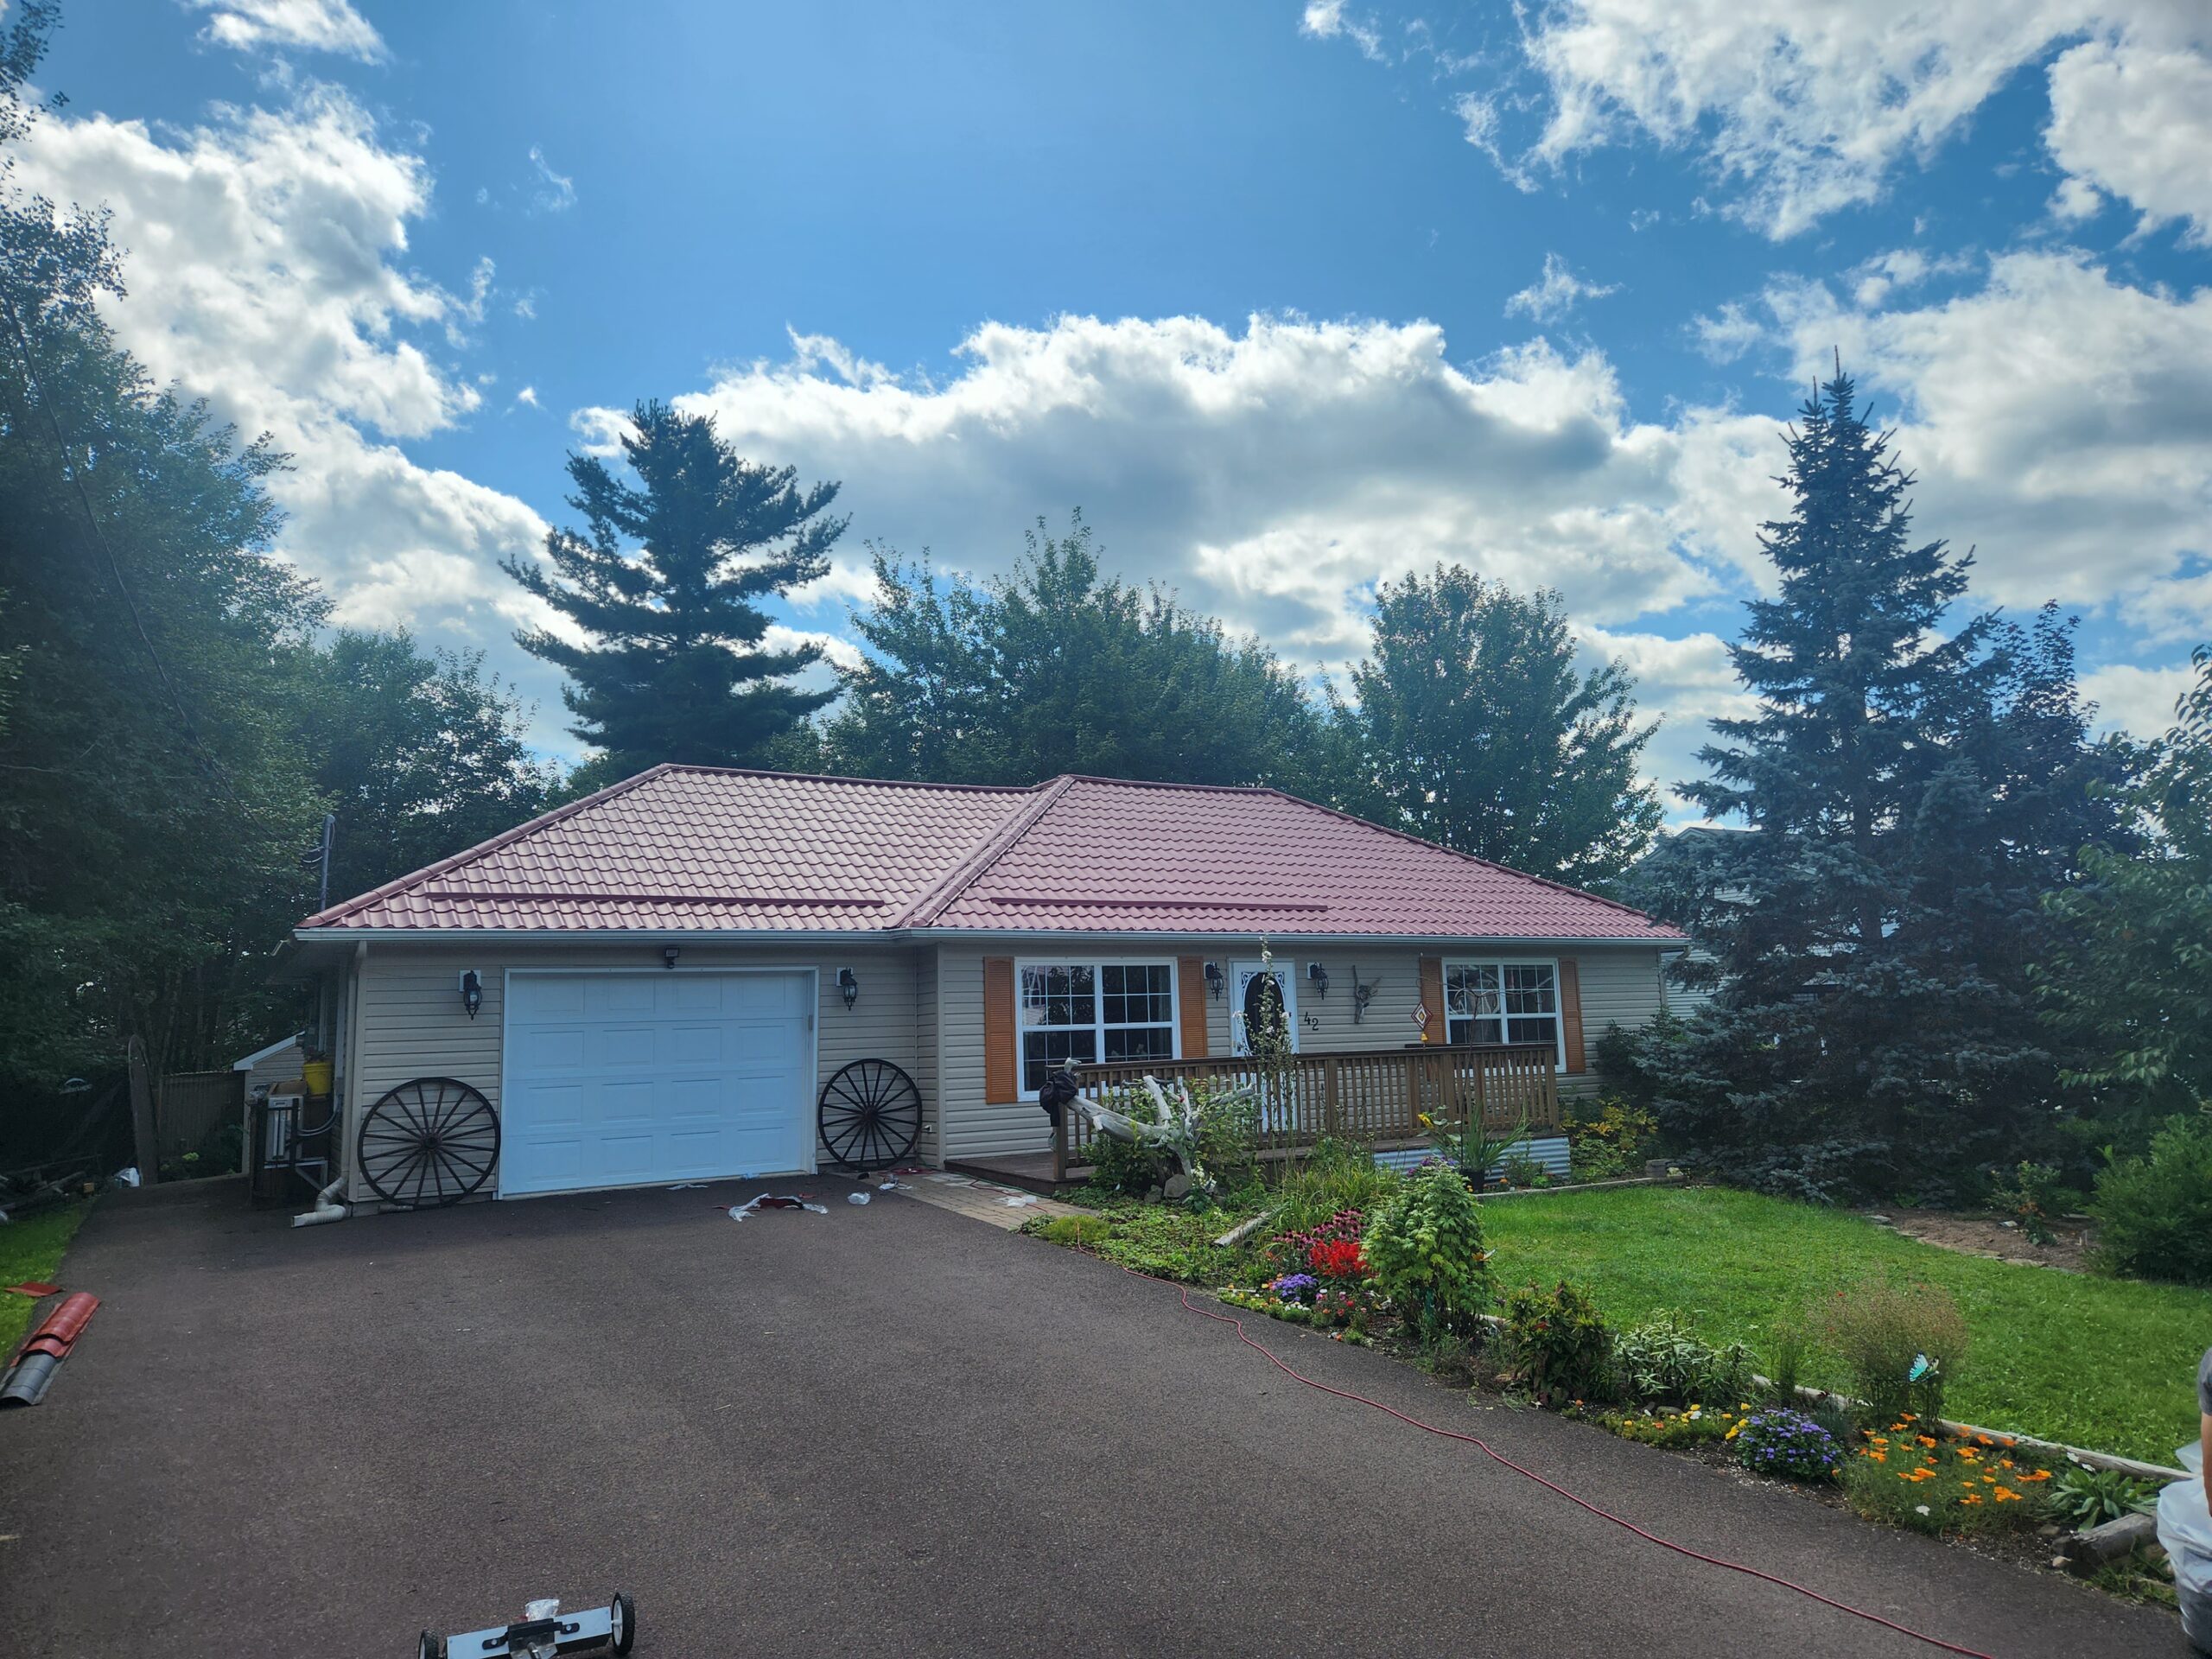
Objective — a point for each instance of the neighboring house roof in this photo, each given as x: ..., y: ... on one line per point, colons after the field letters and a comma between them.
x: 248, y: 1062
x: 685, y: 850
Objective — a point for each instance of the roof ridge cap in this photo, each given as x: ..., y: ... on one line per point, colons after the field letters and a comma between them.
x: 483, y: 849
x: 993, y: 848
x: 842, y: 778
x: 1470, y: 858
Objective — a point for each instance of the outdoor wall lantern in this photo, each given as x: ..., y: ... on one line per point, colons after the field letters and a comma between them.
x: 1318, y: 977
x: 1213, y: 980
x: 668, y: 955
x: 848, y: 987
x: 471, y: 991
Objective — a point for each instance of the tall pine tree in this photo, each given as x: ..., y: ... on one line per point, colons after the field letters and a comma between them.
x: 663, y: 582
x: 1910, y: 798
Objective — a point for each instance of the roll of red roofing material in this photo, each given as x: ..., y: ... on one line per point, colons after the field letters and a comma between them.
x: 66, y: 1321
x: 36, y: 1360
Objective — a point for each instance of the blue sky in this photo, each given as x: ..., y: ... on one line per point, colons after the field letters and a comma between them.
x: 1288, y: 298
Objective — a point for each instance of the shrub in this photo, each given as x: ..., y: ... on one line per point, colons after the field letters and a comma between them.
x: 2154, y: 1212
x: 1664, y: 1359
x: 1229, y: 1130
x: 1425, y: 1248
x: 2088, y: 1497
x: 1558, y: 1346
x: 1521, y: 1169
x: 1901, y: 1344
x: 1614, y: 1143
x: 2031, y: 1195
x: 1915, y: 1480
x: 1780, y: 1441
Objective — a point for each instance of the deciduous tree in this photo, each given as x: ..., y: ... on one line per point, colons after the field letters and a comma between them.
x: 1471, y: 724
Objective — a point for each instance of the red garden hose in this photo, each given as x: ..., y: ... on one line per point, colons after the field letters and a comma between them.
x: 1280, y: 1364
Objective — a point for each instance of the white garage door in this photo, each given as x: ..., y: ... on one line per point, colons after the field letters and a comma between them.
x: 612, y: 1079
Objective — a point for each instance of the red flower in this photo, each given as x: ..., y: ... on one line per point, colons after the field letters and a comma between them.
x: 1338, y: 1258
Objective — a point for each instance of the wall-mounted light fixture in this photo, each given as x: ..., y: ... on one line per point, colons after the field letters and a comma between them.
x: 668, y: 955
x: 471, y: 991
x: 1318, y: 977
x: 1213, y: 980
x: 848, y: 987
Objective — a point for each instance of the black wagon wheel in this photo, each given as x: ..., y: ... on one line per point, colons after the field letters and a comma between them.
x: 871, y: 1115
x: 429, y: 1142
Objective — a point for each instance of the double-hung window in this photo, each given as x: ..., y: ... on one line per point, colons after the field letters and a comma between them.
x: 1093, y: 1012
x: 1504, y: 1002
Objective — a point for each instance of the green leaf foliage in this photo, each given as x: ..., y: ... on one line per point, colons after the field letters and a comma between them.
x: 1059, y: 667
x: 1424, y: 1247
x: 2154, y: 1210
x: 1470, y: 725
x: 2130, y: 985
x: 1909, y: 792
x: 664, y: 581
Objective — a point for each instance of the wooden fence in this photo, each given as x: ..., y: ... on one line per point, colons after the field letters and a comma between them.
x: 1371, y: 1096
x: 192, y: 1105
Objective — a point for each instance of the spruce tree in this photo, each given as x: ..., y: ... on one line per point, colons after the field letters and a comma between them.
x: 1910, y: 798
x: 663, y: 582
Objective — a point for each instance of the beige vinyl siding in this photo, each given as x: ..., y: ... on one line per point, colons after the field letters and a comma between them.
x: 970, y: 1127
x: 1620, y: 987
x: 1619, y: 984
x: 926, y: 1050
x: 411, y: 1023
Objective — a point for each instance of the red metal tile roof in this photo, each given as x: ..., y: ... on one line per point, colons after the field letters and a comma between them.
x: 691, y: 849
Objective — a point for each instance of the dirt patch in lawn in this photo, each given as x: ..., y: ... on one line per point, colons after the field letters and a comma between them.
x: 1977, y: 1235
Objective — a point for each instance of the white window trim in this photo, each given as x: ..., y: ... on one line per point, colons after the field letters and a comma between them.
x: 1075, y: 959
x: 1558, y: 1016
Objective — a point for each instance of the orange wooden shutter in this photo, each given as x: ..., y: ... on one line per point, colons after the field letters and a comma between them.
x: 1001, y: 1072
x: 1570, y: 1011
x: 1431, y: 998
x: 1190, y: 999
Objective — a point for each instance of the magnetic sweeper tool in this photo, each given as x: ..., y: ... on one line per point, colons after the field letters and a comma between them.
x: 543, y: 1631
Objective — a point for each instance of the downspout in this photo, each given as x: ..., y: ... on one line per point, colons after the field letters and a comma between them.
x: 328, y: 1205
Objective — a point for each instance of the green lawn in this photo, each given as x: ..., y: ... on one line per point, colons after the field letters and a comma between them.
x: 2107, y: 1364
x: 31, y: 1248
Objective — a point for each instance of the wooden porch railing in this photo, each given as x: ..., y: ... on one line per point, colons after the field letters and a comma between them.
x: 1364, y: 1095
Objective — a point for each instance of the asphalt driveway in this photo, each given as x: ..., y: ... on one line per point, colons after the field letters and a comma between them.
x: 883, y: 1430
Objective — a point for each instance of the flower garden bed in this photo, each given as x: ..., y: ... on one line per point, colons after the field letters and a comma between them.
x: 1402, y: 1263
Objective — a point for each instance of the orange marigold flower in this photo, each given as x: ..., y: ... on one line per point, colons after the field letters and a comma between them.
x: 1926, y: 1439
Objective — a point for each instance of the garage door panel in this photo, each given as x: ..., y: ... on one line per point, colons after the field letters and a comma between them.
x: 612, y: 1079
x: 548, y: 999
x: 694, y: 1045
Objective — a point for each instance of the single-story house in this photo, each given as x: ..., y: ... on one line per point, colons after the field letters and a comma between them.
x: 657, y: 983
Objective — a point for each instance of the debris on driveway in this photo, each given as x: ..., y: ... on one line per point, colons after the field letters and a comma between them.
x: 775, y: 1201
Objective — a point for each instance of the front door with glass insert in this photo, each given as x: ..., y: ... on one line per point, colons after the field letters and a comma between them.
x: 1264, y: 996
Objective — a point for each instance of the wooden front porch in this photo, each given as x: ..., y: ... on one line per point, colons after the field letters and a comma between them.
x: 1375, y: 1097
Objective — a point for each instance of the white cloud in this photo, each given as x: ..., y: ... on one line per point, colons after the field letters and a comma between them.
x: 2134, y: 699
x: 2133, y: 117
x: 527, y: 397
x: 1329, y: 19
x: 1555, y: 293
x: 310, y: 25
x: 2058, y: 417
x: 1798, y: 110
x: 1274, y: 474
x: 553, y: 193
x: 1687, y: 682
x: 266, y: 253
